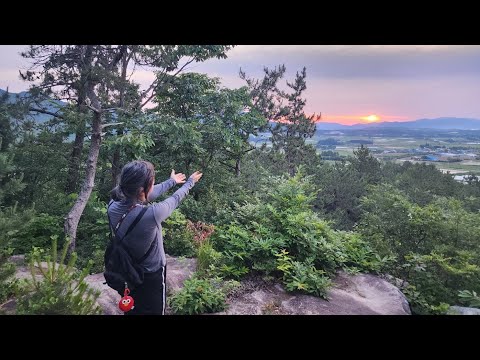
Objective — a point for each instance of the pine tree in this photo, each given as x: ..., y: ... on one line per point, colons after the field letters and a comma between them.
x: 291, y: 134
x: 289, y: 125
x: 366, y: 164
x: 61, y: 291
x: 10, y: 180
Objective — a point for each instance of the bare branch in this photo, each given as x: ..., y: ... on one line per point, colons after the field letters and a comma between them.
x: 227, y: 165
x: 45, y: 112
x: 112, y: 124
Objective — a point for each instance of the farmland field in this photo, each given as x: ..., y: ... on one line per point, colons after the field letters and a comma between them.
x: 408, y: 145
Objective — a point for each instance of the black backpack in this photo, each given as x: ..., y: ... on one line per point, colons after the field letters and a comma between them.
x: 121, y: 269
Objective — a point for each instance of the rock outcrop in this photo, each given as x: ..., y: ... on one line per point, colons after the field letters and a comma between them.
x: 460, y: 310
x: 362, y: 294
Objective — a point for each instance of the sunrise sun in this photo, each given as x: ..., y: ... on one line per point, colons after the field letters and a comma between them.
x: 371, y: 118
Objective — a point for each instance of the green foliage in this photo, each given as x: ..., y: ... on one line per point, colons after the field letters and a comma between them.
x: 37, y: 233
x: 282, y: 220
x: 40, y: 158
x: 23, y: 230
x: 198, y: 296
x: 93, y: 234
x: 396, y: 226
x: 359, y: 254
x: 366, y: 165
x: 61, y: 291
x: 438, y: 278
x: 421, y: 182
x: 420, y: 305
x: 290, y: 126
x: 470, y: 298
x: 7, y: 133
x: 340, y: 189
x: 409, y: 219
x: 11, y: 181
x: 177, y: 238
x: 97, y: 261
x: 245, y: 250
x: 7, y: 269
x: 207, y: 258
x: 436, y: 246
x: 304, y: 277
x: 203, y: 126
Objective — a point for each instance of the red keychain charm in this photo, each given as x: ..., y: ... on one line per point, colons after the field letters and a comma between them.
x: 126, y: 302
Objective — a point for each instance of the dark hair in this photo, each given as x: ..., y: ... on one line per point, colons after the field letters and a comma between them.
x: 135, y: 175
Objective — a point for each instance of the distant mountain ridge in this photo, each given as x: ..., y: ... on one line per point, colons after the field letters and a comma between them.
x: 51, y: 106
x: 12, y: 97
x: 453, y: 123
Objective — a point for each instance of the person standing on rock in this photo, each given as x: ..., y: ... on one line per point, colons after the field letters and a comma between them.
x: 145, y: 242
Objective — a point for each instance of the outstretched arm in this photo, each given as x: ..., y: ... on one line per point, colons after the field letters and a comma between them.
x: 163, y: 187
x: 164, y: 209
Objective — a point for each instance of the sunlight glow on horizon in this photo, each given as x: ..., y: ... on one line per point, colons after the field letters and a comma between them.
x: 362, y: 119
x: 371, y: 118
x: 356, y: 119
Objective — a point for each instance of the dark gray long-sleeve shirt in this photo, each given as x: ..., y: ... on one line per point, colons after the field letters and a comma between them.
x: 149, y: 228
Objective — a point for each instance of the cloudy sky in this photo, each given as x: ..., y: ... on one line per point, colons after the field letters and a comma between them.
x: 347, y: 84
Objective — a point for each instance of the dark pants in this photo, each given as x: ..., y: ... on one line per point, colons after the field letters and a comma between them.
x: 150, y: 297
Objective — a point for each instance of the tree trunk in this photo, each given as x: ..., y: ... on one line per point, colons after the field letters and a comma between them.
x: 73, y: 217
x: 115, y: 166
x: 74, y: 165
x: 237, y: 168
x: 121, y: 105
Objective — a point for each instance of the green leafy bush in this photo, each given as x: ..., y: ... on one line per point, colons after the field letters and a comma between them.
x: 434, y: 276
x: 7, y: 269
x: 198, y: 296
x: 303, y: 277
x: 93, y: 234
x: 207, y: 258
x: 469, y: 298
x: 283, y: 220
x: 178, y: 240
x: 24, y: 229
x: 61, y: 291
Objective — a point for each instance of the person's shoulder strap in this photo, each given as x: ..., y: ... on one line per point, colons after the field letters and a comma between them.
x: 110, y: 226
x: 135, y: 222
x: 142, y: 259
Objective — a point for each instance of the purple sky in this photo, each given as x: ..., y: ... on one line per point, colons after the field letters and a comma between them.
x: 345, y: 83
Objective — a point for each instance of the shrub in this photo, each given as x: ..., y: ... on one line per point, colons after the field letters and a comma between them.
x: 198, y: 296
x: 62, y: 291
x: 208, y: 258
x: 178, y: 240
x: 469, y: 298
x: 35, y: 232
x: 437, y: 278
x: 93, y: 233
x: 303, y: 277
x: 7, y: 269
x: 201, y: 231
x: 282, y: 222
